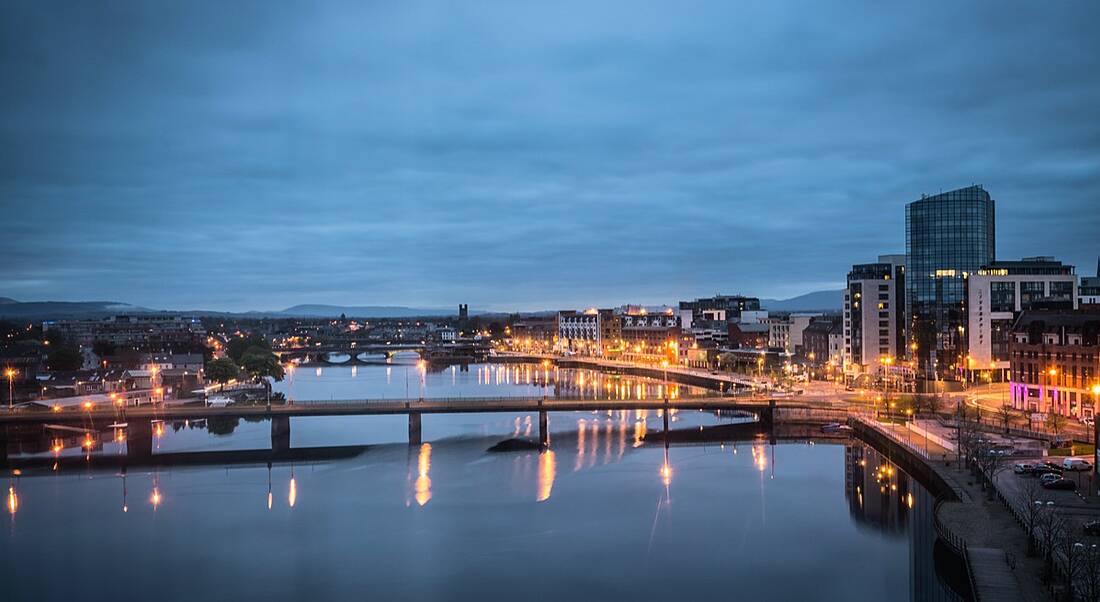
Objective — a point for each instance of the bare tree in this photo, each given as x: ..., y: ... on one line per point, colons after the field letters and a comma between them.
x: 1071, y: 553
x: 1052, y: 526
x: 1056, y: 422
x: 934, y: 403
x: 1088, y: 575
x: 1028, y: 500
x: 990, y: 461
x: 1029, y: 417
x: 1006, y: 413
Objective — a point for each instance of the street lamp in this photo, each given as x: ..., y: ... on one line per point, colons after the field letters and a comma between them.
x: 664, y: 366
x: 10, y: 373
x: 422, y: 367
x: 1095, y: 434
x: 1053, y: 372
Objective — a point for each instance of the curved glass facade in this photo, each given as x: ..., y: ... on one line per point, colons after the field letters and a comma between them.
x: 948, y: 236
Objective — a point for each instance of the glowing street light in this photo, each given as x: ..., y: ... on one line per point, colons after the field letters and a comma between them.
x: 10, y: 373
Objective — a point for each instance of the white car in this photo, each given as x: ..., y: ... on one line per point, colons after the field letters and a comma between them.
x: 1076, y: 464
x: 1022, y: 467
x: 218, y: 401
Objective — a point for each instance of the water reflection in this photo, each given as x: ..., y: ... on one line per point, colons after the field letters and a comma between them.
x: 13, y: 500
x: 375, y: 381
x: 603, y: 508
x: 423, y: 479
x: 879, y: 494
x: 548, y: 471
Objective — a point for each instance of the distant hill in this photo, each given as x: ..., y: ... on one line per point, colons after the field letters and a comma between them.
x: 54, y: 310
x: 7, y: 301
x: 364, y: 311
x: 815, y: 301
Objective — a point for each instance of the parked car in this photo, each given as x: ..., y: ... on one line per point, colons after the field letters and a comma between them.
x: 1049, y: 477
x: 1023, y: 468
x: 1075, y: 464
x: 1065, y: 484
x: 1092, y: 527
x: 1043, y: 469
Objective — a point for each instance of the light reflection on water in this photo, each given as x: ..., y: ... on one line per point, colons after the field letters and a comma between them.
x: 607, y: 512
x: 406, y: 381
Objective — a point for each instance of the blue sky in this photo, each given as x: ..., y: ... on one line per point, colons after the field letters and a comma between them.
x: 255, y: 155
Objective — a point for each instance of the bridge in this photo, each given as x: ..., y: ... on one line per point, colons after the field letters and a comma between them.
x: 427, y: 351
x: 140, y: 437
x: 139, y: 420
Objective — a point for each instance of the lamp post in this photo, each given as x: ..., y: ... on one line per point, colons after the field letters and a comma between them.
x: 10, y: 373
x: 886, y: 362
x: 664, y: 366
x: 422, y: 367
x: 1051, y: 373
x: 1095, y: 434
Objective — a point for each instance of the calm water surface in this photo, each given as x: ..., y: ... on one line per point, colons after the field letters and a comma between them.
x: 603, y: 515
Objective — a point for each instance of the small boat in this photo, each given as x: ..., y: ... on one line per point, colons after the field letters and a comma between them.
x: 835, y: 427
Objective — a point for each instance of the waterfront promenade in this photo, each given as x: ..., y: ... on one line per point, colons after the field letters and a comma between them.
x: 983, y: 532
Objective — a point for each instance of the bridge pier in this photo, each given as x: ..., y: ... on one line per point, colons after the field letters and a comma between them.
x: 414, y: 428
x: 544, y: 429
x: 280, y: 434
x: 767, y: 420
x: 139, y: 439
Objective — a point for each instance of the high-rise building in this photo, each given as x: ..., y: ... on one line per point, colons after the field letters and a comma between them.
x: 997, y: 294
x: 874, y: 310
x: 948, y: 237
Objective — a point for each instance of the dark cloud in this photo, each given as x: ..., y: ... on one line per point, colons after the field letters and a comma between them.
x: 256, y: 155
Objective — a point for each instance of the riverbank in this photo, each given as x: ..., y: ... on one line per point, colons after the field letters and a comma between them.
x: 982, y: 531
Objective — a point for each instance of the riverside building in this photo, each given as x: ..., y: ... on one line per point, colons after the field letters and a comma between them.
x: 997, y: 294
x: 948, y: 237
x: 874, y: 314
x: 1055, y: 363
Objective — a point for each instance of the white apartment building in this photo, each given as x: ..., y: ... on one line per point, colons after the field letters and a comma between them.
x: 999, y: 292
x: 874, y: 333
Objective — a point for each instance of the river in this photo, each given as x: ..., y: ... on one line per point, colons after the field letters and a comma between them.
x: 605, y: 513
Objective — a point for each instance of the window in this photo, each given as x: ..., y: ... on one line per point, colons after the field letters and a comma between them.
x: 1002, y: 296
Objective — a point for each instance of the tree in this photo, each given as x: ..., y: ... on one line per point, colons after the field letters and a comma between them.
x: 1028, y: 499
x: 1072, y: 553
x: 1052, y: 525
x: 991, y: 462
x: 65, y: 358
x: 261, y: 365
x: 1056, y: 422
x: 222, y: 370
x: 238, y: 347
x: 1005, y: 413
x: 1088, y: 577
x: 1029, y: 417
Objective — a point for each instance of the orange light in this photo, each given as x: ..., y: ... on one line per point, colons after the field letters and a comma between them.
x: 87, y: 405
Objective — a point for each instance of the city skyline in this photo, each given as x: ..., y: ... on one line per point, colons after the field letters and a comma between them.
x: 525, y: 158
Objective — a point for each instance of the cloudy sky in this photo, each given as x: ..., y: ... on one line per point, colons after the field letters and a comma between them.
x: 236, y: 155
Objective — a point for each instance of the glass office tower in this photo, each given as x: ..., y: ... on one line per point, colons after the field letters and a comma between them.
x: 948, y: 236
